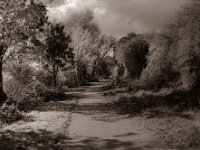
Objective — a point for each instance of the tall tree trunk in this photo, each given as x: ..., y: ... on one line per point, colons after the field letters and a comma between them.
x: 94, y: 69
x: 54, y: 76
x: 78, y: 73
x: 74, y: 74
x: 3, y: 96
x: 75, y: 78
x: 126, y: 72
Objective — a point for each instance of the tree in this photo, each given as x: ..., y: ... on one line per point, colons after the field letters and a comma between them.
x: 159, y: 71
x: 131, y: 53
x: 104, y: 46
x: 135, y: 57
x: 186, y: 48
x: 83, y: 20
x: 57, y: 49
x: 84, y: 34
x: 21, y: 21
x: 121, y: 46
x: 174, y: 58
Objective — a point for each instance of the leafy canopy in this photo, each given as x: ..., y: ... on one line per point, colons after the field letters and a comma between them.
x: 20, y: 22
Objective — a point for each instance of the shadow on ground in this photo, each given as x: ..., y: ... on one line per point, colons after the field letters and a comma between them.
x: 102, y: 144
x: 44, y: 140
x: 62, y: 96
x: 176, y: 102
x: 41, y: 140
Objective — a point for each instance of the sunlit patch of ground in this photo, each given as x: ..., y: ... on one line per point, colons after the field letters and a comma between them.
x: 52, y: 121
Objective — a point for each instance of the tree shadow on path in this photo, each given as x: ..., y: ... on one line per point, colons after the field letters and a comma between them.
x: 44, y: 140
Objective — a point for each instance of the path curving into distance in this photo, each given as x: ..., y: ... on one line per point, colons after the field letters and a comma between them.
x: 85, y: 129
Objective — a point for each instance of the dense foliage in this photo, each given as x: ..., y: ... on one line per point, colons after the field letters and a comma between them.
x: 57, y: 50
x: 131, y: 53
x: 174, y: 54
x: 20, y: 26
x: 88, y: 44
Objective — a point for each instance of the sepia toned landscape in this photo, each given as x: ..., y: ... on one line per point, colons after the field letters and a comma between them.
x: 99, y: 75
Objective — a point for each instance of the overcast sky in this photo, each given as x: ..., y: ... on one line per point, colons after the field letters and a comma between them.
x: 119, y: 17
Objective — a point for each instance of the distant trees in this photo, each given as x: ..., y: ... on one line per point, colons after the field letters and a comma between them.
x: 131, y: 53
x: 102, y: 68
x: 21, y: 23
x: 105, y: 45
x: 88, y: 44
x: 135, y: 57
x: 58, y: 50
x: 159, y: 71
x: 84, y: 32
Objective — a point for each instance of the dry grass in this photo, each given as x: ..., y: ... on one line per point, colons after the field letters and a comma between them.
x: 177, y: 130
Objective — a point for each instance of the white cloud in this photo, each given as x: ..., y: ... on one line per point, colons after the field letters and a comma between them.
x: 60, y: 11
x: 119, y: 17
x: 99, y: 11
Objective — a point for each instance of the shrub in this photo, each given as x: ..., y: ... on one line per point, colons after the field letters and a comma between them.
x: 135, y: 57
x: 9, y: 112
x: 69, y: 78
x: 24, y: 92
x: 24, y: 82
x: 131, y: 52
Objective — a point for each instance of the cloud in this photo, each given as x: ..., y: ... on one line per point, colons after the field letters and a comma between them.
x: 59, y: 10
x: 118, y: 17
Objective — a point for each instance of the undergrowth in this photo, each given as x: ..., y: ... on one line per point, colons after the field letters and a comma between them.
x: 9, y: 112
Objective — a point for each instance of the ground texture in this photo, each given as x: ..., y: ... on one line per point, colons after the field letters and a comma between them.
x: 88, y: 122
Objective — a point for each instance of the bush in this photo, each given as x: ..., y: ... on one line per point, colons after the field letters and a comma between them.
x: 135, y: 57
x: 52, y: 94
x: 24, y: 83
x: 131, y: 52
x: 24, y: 92
x: 9, y: 112
x: 69, y: 78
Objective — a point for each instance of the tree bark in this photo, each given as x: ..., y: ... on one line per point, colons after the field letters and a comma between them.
x: 94, y: 69
x: 74, y: 73
x: 55, y: 70
x: 126, y: 72
x: 75, y: 76
x: 78, y: 73
x: 3, y: 96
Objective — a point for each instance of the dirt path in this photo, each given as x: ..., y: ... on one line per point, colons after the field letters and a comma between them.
x: 81, y: 130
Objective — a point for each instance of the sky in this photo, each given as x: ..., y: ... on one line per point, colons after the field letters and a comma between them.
x: 119, y: 17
